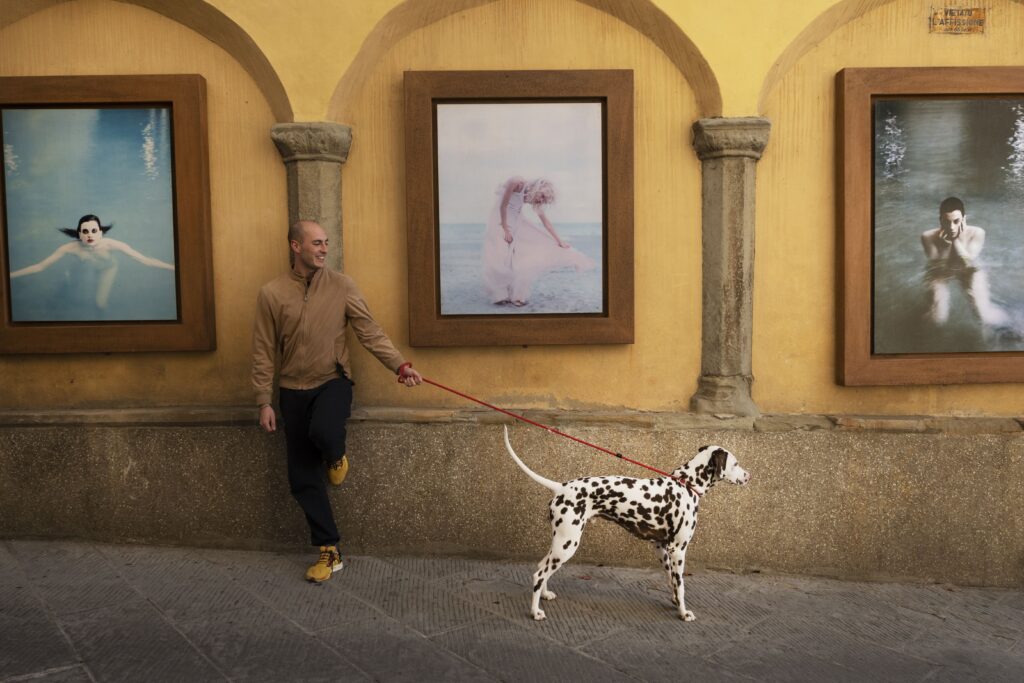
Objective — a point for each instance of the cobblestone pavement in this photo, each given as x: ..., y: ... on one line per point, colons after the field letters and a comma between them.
x: 77, y: 611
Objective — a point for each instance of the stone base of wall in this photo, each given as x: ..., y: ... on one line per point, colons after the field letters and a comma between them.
x: 851, y: 497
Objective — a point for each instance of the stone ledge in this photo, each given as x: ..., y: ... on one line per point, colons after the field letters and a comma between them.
x: 247, y: 415
x: 169, y: 416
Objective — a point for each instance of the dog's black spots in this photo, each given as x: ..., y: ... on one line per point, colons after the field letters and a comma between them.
x: 555, y: 563
x: 536, y: 586
x: 575, y: 522
x: 558, y: 521
x: 629, y: 483
x: 567, y: 544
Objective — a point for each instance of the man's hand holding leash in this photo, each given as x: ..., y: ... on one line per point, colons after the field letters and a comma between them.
x: 408, y: 376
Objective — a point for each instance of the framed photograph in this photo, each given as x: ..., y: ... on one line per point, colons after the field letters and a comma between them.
x: 105, y: 215
x: 930, y: 169
x: 519, y: 199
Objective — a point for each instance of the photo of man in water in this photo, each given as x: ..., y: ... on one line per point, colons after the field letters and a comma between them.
x: 945, y: 284
x: 953, y: 249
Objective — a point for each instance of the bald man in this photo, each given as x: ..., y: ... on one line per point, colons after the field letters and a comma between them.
x: 299, y: 334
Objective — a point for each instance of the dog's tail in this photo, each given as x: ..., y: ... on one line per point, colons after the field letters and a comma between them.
x: 547, y: 483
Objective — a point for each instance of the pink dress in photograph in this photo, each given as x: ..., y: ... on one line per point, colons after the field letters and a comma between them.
x: 509, y: 270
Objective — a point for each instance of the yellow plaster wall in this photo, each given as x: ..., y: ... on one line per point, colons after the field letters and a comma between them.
x: 794, y: 300
x: 660, y: 370
x: 776, y: 59
x: 247, y: 192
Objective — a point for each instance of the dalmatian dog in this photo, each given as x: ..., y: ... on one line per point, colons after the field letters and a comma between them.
x: 662, y: 510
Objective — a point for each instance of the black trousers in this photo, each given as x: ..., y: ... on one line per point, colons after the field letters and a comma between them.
x: 314, y: 429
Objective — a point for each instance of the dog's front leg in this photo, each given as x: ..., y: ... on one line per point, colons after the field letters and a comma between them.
x: 677, y: 562
x: 666, y: 562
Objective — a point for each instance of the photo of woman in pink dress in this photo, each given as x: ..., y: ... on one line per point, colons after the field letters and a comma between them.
x: 505, y: 245
x: 518, y: 251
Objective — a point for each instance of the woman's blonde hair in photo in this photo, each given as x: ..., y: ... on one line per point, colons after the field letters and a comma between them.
x: 539, y: 191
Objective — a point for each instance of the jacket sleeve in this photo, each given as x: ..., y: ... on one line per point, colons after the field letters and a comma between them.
x: 368, y: 332
x: 264, y: 350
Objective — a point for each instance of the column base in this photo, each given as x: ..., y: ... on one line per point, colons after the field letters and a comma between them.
x: 724, y: 395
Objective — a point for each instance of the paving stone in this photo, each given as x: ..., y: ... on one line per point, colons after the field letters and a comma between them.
x: 511, y: 652
x: 216, y: 614
x: 257, y: 644
x: 651, y: 659
x: 313, y: 607
x: 766, y: 660
x: 390, y: 651
x: 180, y: 583
x: 32, y: 644
x: 419, y: 604
x: 133, y: 642
x: 429, y: 569
x: 56, y: 571
x: 959, y: 665
x: 66, y: 674
x: 871, y: 660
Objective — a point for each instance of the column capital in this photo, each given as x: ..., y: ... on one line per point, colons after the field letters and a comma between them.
x: 743, y: 136
x: 312, y: 141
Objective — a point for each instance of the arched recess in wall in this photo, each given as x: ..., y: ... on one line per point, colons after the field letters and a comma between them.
x: 642, y: 15
x: 818, y: 30
x: 205, y: 20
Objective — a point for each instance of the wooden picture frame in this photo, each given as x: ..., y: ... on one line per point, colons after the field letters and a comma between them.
x: 132, y: 151
x: 468, y: 316
x: 920, y: 300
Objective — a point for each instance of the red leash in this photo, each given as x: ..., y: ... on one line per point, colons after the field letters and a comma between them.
x: 555, y: 431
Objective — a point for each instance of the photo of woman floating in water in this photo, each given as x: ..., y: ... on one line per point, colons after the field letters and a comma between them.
x: 94, y: 251
x: 115, y: 162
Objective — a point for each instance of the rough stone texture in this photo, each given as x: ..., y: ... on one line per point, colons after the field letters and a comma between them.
x: 73, y: 611
x: 728, y: 149
x: 313, y: 154
x: 844, y: 503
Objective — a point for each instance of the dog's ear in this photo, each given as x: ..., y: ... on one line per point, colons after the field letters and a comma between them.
x: 718, y: 461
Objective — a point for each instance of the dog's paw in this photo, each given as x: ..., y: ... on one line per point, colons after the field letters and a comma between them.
x: 548, y: 595
x: 687, y: 615
x: 539, y: 615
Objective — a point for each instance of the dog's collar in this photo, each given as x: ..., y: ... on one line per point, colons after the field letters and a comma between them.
x: 690, y: 486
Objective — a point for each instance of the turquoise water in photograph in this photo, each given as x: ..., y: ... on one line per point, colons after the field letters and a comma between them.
x: 925, y: 151
x: 63, y: 163
x: 561, y: 291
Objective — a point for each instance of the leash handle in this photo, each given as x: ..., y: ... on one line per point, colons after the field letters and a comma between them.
x: 561, y: 433
x: 401, y: 370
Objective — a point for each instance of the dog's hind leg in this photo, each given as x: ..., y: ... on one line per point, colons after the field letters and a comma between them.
x: 677, y: 561
x: 564, y: 543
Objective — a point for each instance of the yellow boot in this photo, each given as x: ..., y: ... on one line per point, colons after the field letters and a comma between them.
x: 337, y: 472
x: 329, y: 562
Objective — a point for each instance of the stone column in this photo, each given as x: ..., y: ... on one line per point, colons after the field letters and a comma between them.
x: 313, y: 154
x: 728, y: 149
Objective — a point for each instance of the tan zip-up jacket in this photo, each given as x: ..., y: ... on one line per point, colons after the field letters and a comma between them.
x: 303, y: 328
